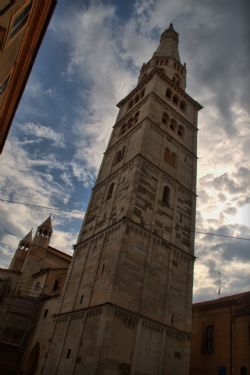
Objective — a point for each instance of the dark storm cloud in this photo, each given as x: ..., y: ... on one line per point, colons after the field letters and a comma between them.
x: 217, y: 46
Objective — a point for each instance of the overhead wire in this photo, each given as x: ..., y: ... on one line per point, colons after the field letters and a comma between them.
x: 179, y: 227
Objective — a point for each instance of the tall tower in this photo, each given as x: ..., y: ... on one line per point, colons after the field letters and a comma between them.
x: 126, y: 306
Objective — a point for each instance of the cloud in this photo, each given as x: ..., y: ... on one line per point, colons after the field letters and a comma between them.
x: 103, y: 55
x: 23, y: 180
x: 44, y: 132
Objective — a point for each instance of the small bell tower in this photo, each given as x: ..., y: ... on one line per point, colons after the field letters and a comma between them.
x: 21, y: 253
x: 43, y: 233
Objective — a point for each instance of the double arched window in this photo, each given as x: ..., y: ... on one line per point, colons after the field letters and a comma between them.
x: 175, y: 98
x: 131, y: 121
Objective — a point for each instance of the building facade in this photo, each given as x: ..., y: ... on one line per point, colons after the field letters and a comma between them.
x: 126, y: 305
x: 221, y: 336
x: 29, y: 293
x: 22, y: 27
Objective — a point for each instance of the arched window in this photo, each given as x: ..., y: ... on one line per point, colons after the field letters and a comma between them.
x: 110, y: 190
x: 173, y: 124
x: 130, y: 104
x: 56, y: 285
x: 169, y: 93
x: 142, y: 93
x: 136, y: 116
x: 137, y: 98
x: 165, y: 118
x: 166, y: 195
x: 157, y: 62
x: 175, y: 99
x: 180, y: 131
x: 119, y: 155
x: 130, y: 122
x: 183, y: 105
x: 123, y: 129
x: 209, y: 339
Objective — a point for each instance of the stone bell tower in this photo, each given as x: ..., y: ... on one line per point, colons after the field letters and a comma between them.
x: 126, y: 306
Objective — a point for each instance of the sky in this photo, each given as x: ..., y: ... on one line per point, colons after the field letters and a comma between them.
x: 89, y: 60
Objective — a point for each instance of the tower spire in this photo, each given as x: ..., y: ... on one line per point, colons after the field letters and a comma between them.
x: 169, y: 44
x: 43, y: 233
x: 21, y: 252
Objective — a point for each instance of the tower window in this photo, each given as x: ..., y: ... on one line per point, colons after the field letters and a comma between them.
x: 169, y: 93
x: 165, y: 118
x: 130, y: 104
x: 175, y: 99
x: 81, y: 299
x: 56, y: 285
x: 68, y: 353
x: 166, y: 195
x: 130, y: 122
x: 136, y: 116
x: 119, y: 155
x: 110, y: 190
x: 173, y: 124
x: 209, y: 339
x: 123, y: 129
x: 183, y: 105
x: 142, y: 93
x: 45, y: 313
x: 180, y: 131
x: 136, y: 99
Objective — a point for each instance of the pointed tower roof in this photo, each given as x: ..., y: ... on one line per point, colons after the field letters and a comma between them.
x: 47, y: 224
x: 169, y: 44
x: 28, y: 237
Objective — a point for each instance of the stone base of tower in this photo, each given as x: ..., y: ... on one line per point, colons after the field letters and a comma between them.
x: 110, y: 340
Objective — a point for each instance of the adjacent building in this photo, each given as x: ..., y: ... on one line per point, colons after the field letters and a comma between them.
x: 22, y: 27
x: 126, y: 305
x: 29, y: 288
x: 221, y: 336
